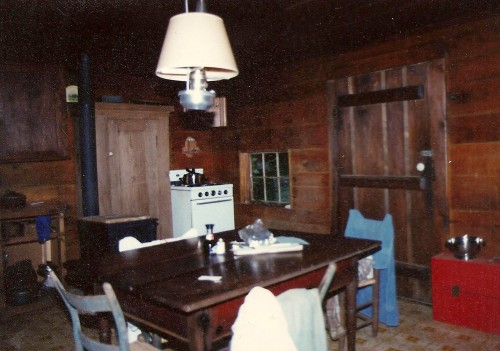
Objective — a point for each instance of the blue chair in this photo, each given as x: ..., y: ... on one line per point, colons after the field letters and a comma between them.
x: 78, y: 304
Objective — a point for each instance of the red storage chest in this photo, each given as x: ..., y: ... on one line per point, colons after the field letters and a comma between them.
x: 466, y: 293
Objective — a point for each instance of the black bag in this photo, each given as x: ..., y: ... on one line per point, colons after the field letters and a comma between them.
x: 20, y: 281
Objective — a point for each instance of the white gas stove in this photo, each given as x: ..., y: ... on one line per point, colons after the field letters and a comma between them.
x: 195, y: 206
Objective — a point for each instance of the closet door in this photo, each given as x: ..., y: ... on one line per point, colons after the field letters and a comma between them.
x: 132, y: 143
x: 33, y: 121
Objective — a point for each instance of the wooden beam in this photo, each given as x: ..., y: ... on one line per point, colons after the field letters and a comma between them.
x: 414, y: 92
x: 376, y: 181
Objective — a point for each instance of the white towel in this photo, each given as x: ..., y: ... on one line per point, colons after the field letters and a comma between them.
x: 305, y: 319
x: 261, y: 324
x: 191, y: 233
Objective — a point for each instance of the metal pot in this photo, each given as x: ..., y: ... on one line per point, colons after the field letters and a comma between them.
x: 193, y: 178
x: 465, y: 247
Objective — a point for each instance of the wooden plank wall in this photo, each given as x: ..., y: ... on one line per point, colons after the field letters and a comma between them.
x: 472, y: 64
x: 297, y: 125
x: 286, y: 107
x: 48, y: 181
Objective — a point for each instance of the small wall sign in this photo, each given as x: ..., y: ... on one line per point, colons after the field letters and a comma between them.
x: 71, y: 93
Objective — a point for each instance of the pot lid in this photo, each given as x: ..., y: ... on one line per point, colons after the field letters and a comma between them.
x: 13, y: 195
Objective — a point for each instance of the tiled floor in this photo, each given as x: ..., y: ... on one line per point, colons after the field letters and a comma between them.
x: 419, y: 332
x: 50, y: 329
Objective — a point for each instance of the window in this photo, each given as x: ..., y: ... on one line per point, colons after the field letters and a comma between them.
x: 269, y: 177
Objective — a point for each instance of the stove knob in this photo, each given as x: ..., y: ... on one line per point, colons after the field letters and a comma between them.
x: 225, y: 192
x: 213, y: 192
x: 219, y: 192
x: 200, y: 194
x: 206, y: 193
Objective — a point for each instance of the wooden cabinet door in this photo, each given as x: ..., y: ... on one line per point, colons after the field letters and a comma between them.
x: 132, y: 145
x: 385, y: 123
x: 32, y: 114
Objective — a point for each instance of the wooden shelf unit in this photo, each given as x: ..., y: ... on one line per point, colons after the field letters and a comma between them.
x: 25, y: 242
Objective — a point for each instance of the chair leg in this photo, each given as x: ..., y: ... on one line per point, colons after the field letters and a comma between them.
x: 342, y: 336
x: 376, y: 295
x: 342, y: 339
x: 156, y: 341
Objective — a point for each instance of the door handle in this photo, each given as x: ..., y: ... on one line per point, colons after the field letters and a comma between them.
x: 427, y: 176
x: 212, y: 202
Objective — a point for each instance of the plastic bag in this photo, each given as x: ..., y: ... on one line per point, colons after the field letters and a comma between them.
x: 256, y: 234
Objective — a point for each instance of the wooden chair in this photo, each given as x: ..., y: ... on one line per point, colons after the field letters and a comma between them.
x: 269, y: 322
x: 327, y: 279
x: 369, y: 272
x: 363, y: 320
x: 108, y: 302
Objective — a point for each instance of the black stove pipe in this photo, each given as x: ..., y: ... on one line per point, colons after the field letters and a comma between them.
x: 88, y: 158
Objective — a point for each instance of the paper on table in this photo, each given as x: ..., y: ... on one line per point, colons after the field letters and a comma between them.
x: 291, y: 239
x: 212, y: 278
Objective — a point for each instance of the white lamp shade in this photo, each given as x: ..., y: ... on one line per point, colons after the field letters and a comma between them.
x: 196, y: 39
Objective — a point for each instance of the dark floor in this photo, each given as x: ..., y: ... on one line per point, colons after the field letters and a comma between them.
x: 50, y: 329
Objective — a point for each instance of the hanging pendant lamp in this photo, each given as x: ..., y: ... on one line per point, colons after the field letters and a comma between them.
x: 196, y: 50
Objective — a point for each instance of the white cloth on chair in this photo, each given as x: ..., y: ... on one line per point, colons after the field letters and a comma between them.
x: 361, y: 227
x: 191, y: 233
x: 128, y: 243
x: 261, y: 324
x: 305, y: 319
x: 131, y: 243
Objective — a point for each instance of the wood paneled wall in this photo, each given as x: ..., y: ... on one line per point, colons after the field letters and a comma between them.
x: 48, y: 181
x: 286, y: 108
x: 297, y: 125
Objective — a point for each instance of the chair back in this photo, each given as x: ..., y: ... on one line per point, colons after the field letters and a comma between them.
x: 326, y: 281
x: 292, y: 321
x: 78, y: 305
x: 383, y: 230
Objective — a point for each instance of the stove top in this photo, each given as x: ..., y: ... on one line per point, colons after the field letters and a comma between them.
x: 180, y: 184
x: 203, y: 191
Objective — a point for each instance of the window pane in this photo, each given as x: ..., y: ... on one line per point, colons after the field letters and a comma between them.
x: 256, y: 160
x: 283, y: 164
x: 271, y: 168
x: 256, y: 165
x: 285, y: 190
x: 258, y: 189
x: 272, y: 189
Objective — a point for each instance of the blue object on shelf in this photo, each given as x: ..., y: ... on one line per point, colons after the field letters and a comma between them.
x: 42, y: 224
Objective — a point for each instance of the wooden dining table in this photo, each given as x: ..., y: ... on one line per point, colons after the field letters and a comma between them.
x: 159, y: 289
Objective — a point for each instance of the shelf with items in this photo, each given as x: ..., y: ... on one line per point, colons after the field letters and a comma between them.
x: 19, y: 241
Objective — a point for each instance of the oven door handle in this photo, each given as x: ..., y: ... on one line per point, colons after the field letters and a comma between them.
x: 212, y: 202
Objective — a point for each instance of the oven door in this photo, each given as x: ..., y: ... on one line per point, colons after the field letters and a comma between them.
x: 218, y: 211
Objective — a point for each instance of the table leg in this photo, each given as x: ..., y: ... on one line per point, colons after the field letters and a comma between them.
x: 199, y: 332
x: 351, y: 290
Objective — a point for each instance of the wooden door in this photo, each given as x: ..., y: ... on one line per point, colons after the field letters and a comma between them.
x: 385, y: 123
x: 132, y: 143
